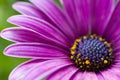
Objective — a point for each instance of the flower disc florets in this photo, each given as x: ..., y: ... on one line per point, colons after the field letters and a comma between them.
x: 92, y: 53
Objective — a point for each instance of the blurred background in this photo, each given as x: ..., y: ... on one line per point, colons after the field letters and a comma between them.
x: 7, y: 64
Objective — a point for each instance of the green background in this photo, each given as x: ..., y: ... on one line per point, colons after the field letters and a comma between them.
x: 7, y: 63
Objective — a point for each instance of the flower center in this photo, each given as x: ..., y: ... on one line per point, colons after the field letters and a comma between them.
x: 92, y: 53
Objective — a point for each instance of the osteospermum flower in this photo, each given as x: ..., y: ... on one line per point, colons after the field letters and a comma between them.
x: 78, y: 41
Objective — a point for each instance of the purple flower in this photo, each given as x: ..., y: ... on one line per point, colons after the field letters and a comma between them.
x: 78, y: 41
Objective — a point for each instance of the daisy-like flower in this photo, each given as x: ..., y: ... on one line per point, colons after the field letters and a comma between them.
x: 78, y: 41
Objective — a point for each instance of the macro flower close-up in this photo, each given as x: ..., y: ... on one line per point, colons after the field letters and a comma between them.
x: 76, y: 40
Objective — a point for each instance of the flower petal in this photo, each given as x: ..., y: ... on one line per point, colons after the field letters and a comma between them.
x: 39, y: 70
x: 27, y: 35
x: 22, y: 70
x: 116, y: 64
x: 21, y: 35
x: 77, y: 76
x: 117, y: 55
x: 82, y: 8
x: 112, y: 30
x: 100, y: 76
x: 101, y: 14
x: 69, y: 7
x: 111, y: 74
x: 56, y: 14
x: 29, y: 9
x: 42, y: 27
x: 66, y: 73
x: 93, y: 13
x: 35, y: 50
x: 84, y: 76
x: 90, y: 76
x: 116, y: 46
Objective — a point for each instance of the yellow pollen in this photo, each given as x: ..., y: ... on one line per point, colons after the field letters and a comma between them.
x: 87, y: 62
x: 84, y: 37
x: 105, y: 61
x: 108, y: 44
x: 76, y: 61
x: 72, y: 52
x: 110, y: 53
x: 78, y: 40
x: 83, y: 63
x: 79, y: 59
x: 100, y: 39
x: 78, y: 56
x: 73, y: 47
x: 81, y: 66
x: 72, y: 57
x: 110, y: 50
x: 91, y: 36
x: 80, y: 62
x: 95, y: 36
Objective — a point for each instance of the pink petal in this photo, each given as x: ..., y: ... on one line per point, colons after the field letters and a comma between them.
x: 39, y: 70
x: 82, y: 8
x: 111, y: 74
x: 35, y: 50
x: 22, y: 70
x: 29, y: 9
x: 69, y: 7
x: 66, y: 73
x: 90, y: 76
x: 112, y: 29
x: 21, y: 35
x: 56, y: 14
x: 77, y: 76
x: 101, y: 11
x: 42, y: 27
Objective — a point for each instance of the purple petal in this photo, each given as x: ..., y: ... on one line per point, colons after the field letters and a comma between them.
x: 116, y: 71
x: 84, y: 76
x: 29, y: 9
x: 101, y: 14
x: 64, y: 73
x: 100, y: 76
x: 35, y: 50
x: 56, y: 14
x: 26, y: 35
x: 77, y: 76
x: 42, y: 27
x: 82, y: 8
x: 116, y: 46
x: 116, y: 63
x: 111, y: 74
x: 117, y: 55
x: 69, y: 7
x: 112, y: 31
x: 39, y: 70
x: 22, y: 70
x: 90, y: 76
x: 21, y: 35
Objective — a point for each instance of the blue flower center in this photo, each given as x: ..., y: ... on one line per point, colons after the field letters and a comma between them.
x: 92, y: 53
